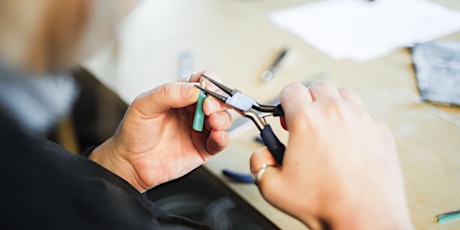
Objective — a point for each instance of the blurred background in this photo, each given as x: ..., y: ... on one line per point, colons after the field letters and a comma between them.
x: 393, y: 53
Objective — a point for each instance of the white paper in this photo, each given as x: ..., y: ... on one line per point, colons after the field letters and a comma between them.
x: 363, y: 30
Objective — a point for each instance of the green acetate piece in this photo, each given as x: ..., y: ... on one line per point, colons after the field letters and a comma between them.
x: 198, y: 119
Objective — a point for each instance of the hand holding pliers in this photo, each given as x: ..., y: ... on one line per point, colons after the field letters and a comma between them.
x: 247, y: 106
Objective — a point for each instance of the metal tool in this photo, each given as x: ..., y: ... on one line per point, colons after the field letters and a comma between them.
x: 444, y: 217
x: 248, y: 107
x: 268, y: 74
x: 240, y: 125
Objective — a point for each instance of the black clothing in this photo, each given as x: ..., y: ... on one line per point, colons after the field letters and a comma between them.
x: 45, y: 187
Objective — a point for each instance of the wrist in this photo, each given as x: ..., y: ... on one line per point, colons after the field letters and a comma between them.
x: 106, y: 155
x: 366, y: 222
x: 369, y: 217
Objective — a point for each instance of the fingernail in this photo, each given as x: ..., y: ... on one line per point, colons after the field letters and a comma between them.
x: 209, y: 105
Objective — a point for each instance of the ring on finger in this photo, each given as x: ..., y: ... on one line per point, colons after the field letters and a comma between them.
x: 257, y: 174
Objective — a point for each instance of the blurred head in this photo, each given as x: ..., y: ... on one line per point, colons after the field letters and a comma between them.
x: 50, y: 35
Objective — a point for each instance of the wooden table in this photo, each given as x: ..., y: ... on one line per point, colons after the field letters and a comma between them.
x: 236, y: 39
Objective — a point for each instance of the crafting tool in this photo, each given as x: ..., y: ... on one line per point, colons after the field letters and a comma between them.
x: 441, y: 218
x: 268, y: 74
x: 238, y: 177
x: 248, y: 107
x: 241, y: 125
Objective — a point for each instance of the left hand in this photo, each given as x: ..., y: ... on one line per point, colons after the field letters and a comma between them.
x: 340, y: 168
x: 155, y: 142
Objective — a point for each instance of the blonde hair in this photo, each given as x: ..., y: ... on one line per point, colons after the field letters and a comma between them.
x: 42, y: 35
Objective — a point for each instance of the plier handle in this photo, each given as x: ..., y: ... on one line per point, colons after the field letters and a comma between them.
x: 246, y: 106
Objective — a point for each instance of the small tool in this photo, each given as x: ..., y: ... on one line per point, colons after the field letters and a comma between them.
x: 268, y: 74
x: 444, y: 217
x: 248, y: 107
x: 238, y: 177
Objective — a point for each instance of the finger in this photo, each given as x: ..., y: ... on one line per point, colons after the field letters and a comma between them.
x: 212, y: 105
x: 212, y: 74
x: 217, y: 141
x: 260, y: 157
x: 206, y: 84
x: 197, y: 77
x: 294, y: 97
x: 350, y: 96
x: 321, y: 90
x: 219, y: 121
x: 270, y: 182
x: 165, y: 97
x: 194, y: 77
x: 283, y: 123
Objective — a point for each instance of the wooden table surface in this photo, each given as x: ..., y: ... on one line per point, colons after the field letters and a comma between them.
x: 236, y: 39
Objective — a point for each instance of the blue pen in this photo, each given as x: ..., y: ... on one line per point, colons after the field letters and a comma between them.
x: 268, y: 74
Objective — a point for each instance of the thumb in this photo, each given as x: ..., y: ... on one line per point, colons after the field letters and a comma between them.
x: 165, y: 97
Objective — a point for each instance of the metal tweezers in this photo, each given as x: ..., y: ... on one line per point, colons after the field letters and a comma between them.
x: 247, y: 107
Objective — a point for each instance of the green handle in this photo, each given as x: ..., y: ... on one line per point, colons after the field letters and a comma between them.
x: 441, y: 218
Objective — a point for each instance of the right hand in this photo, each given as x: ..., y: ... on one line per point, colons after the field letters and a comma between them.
x: 155, y: 142
x: 340, y: 168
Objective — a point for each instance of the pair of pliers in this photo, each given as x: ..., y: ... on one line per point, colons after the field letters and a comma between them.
x: 247, y: 106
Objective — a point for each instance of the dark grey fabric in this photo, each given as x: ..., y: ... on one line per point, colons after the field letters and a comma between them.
x: 45, y: 187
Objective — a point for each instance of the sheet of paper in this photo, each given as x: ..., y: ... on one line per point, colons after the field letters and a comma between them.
x: 361, y: 30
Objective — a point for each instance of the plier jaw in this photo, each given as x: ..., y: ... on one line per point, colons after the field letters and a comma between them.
x: 244, y: 104
x: 248, y: 107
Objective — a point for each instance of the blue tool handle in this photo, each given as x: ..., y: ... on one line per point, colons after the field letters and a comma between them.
x: 273, y: 143
x: 238, y: 177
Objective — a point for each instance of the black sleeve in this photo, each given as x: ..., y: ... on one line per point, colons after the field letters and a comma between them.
x: 88, y: 151
x: 46, y: 187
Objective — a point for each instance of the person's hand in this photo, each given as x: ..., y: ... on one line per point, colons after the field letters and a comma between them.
x: 340, y: 168
x: 155, y: 142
